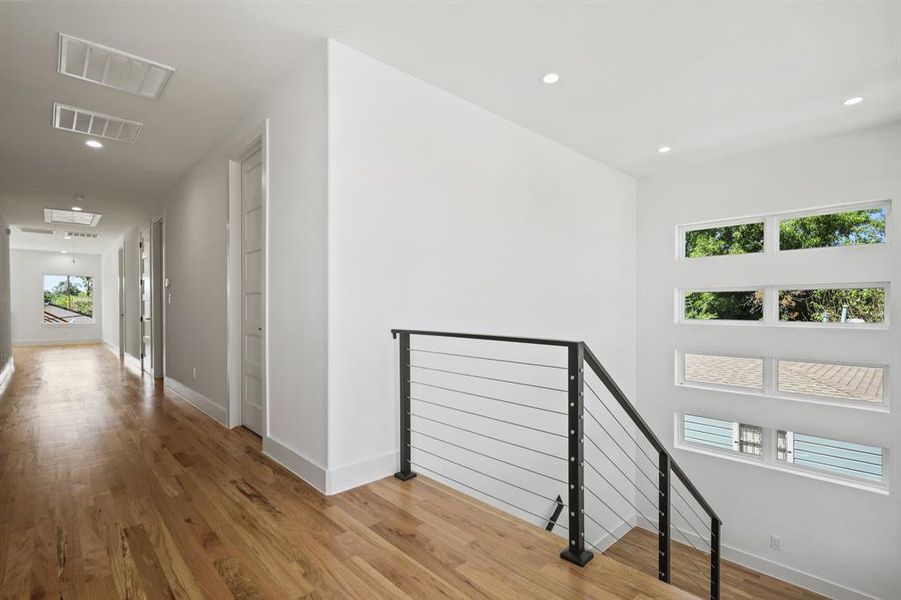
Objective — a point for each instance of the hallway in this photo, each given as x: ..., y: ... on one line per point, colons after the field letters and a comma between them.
x: 111, y: 488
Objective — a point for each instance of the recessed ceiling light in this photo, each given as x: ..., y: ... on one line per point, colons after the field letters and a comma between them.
x: 77, y: 208
x: 68, y: 237
x: 93, y: 144
x: 853, y: 101
x: 64, y: 251
x: 663, y: 149
x: 550, y: 78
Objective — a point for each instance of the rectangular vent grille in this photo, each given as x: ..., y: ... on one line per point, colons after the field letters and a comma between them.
x: 36, y: 230
x: 79, y: 120
x: 71, y: 217
x: 112, y: 68
x: 82, y: 235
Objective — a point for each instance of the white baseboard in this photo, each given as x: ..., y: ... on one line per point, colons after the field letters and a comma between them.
x: 30, y: 343
x: 111, y: 347
x: 7, y: 372
x: 365, y: 471
x: 297, y: 463
x: 196, y: 399
x: 609, y: 538
x: 766, y: 566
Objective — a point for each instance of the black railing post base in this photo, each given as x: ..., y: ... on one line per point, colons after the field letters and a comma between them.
x: 577, y: 558
x: 405, y: 476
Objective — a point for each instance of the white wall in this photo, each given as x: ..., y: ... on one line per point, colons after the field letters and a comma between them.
x: 130, y: 241
x: 445, y: 216
x: 196, y: 232
x: 5, y: 317
x: 833, y: 533
x: 109, y: 278
x: 27, y: 270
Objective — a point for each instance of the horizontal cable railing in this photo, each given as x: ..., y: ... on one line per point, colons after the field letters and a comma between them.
x: 505, y: 444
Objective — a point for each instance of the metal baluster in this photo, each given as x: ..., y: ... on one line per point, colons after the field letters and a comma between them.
x: 405, y: 472
x: 576, y: 552
x: 663, y: 518
x: 715, y: 559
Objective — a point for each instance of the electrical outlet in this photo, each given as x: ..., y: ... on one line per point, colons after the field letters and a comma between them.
x: 775, y: 542
x: 194, y: 373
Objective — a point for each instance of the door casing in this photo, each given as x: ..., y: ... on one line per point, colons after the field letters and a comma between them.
x: 257, y: 139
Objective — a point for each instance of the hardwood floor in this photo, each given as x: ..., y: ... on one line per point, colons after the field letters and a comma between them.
x: 690, y: 569
x: 112, y: 488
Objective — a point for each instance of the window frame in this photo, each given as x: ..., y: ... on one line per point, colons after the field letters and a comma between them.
x: 736, y: 438
x: 770, y: 388
x: 92, y: 323
x: 790, y: 460
x: 681, y: 380
x: 767, y: 459
x: 771, y: 225
x: 885, y: 205
x: 770, y: 316
x: 682, y: 230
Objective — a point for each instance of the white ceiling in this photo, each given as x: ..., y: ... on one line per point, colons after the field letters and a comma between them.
x: 705, y: 78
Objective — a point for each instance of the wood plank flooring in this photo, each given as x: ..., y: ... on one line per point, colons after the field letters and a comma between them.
x: 689, y: 569
x: 111, y: 487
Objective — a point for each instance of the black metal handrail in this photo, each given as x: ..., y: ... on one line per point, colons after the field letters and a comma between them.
x: 578, y: 355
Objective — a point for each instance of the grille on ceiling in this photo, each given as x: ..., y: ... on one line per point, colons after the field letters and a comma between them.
x: 82, y: 235
x: 36, y: 230
x: 71, y: 217
x: 112, y: 68
x: 88, y: 122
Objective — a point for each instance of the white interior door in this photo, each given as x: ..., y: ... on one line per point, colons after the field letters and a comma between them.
x: 156, y: 296
x: 146, y: 328
x: 252, y: 289
x: 121, y: 283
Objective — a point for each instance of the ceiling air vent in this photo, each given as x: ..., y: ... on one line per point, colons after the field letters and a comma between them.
x: 112, y: 68
x: 71, y: 217
x: 82, y: 235
x: 36, y: 230
x: 79, y: 120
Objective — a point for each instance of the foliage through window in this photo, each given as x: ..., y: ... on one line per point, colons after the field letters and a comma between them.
x: 68, y: 299
x: 746, y: 238
x: 848, y: 228
x: 839, y: 305
x: 744, y: 305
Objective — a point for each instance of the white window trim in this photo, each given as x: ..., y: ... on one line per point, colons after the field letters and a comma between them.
x: 771, y: 223
x: 771, y: 305
x: 770, y: 389
x: 767, y: 460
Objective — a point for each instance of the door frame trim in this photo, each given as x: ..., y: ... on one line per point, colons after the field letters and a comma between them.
x: 257, y: 138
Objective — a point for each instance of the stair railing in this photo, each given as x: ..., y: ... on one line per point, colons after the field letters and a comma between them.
x: 578, y: 355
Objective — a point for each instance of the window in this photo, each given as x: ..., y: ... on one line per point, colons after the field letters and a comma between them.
x: 844, y: 382
x: 750, y: 439
x: 746, y: 238
x: 68, y: 299
x: 725, y: 435
x: 707, y: 369
x: 856, y: 461
x: 743, y: 305
x: 832, y: 305
x: 848, y: 228
x: 858, y: 224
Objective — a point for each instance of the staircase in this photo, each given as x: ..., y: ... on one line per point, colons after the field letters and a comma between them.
x: 495, y: 416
